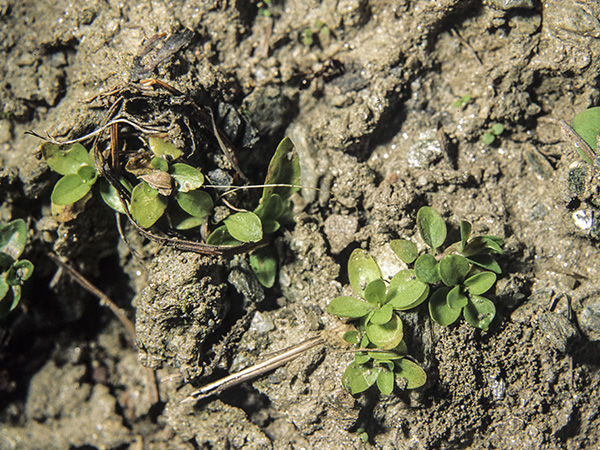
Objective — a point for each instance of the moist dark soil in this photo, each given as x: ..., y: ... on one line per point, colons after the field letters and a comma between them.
x: 373, y: 108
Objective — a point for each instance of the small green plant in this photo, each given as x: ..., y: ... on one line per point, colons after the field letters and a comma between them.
x: 319, y: 29
x: 490, y: 136
x: 461, y: 102
x: 264, y: 8
x: 13, y: 237
x: 587, y: 125
x: 453, y: 282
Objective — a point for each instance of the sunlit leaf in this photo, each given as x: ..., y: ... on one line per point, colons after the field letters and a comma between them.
x: 439, y: 309
x: 587, y: 125
x: 465, y: 233
x: 479, y: 312
x: 66, y: 162
x: 351, y: 337
x: 187, y: 177
x: 406, y: 290
x: 480, y: 283
x: 456, y: 299
x: 382, y: 315
x: 70, y: 188
x: 453, y: 269
x: 284, y: 168
x: 195, y: 203
x: 412, y: 372
x: 244, y: 226
x: 432, y: 227
x: 358, y: 378
x: 161, y: 147
x: 386, y: 336
x: 13, y: 237
x: 385, y: 382
x: 375, y: 292
x: 426, y: 269
x: 486, y: 261
x: 263, y: 262
x: 271, y: 207
x: 405, y: 250
x: 362, y: 269
x: 147, y: 205
x: 349, y: 307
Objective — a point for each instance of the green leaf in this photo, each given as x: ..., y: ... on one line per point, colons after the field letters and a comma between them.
x: 382, y: 315
x: 453, y: 269
x: 159, y: 163
x: 488, y: 138
x: 4, y: 287
x: 497, y: 129
x: 161, y: 147
x: 386, y: 336
x: 220, y: 236
x: 183, y: 221
x: 271, y: 207
x: 386, y: 355
x: 375, y: 292
x: 87, y: 173
x: 405, y: 250
x: 195, y: 203
x: 432, y: 227
x: 110, y: 195
x: 487, y: 262
x: 412, y: 372
x: 349, y: 307
x: 13, y: 237
x: 406, y: 291
x: 483, y: 245
x: 187, y: 177
x: 270, y: 226
x: 479, y: 312
x: 147, y: 205
x: 19, y: 272
x: 426, y: 269
x: 66, y: 162
x: 284, y: 168
x: 351, y: 337
x: 6, y: 261
x: 10, y: 301
x: 385, y: 382
x: 439, y: 309
x: 587, y: 125
x: 358, y: 378
x: 456, y: 299
x: 244, y: 226
x: 465, y: 233
x: 361, y: 358
x: 362, y: 269
x: 263, y: 262
x: 70, y: 189
x: 480, y: 283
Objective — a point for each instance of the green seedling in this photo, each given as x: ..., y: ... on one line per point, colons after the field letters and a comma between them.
x: 490, y: 136
x: 461, y: 102
x: 319, y: 29
x: 586, y: 125
x: 381, y: 358
x: 13, y: 237
x: 264, y: 8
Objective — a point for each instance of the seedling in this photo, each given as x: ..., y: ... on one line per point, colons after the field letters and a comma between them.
x: 13, y: 237
x: 318, y: 31
x: 490, y: 136
x: 264, y: 8
x: 452, y: 281
x: 461, y: 102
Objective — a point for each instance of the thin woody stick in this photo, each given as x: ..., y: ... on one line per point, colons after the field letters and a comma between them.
x: 254, y: 371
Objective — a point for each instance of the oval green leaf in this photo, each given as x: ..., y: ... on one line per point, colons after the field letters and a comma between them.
x: 244, y: 226
x: 465, y: 233
x: 13, y: 237
x: 70, y: 189
x: 406, y: 291
x: 456, y: 299
x: 386, y: 336
x: 453, y: 269
x: 412, y: 372
x: 264, y: 265
x: 220, y: 236
x: 375, y: 292
x: 480, y: 283
x: 284, y: 168
x: 349, y: 307
x: 271, y: 207
x: 587, y: 125
x: 195, y: 203
x: 362, y: 269
x: 405, y: 250
x: 66, y: 162
x: 439, y: 309
x: 110, y: 195
x: 385, y: 382
x: 426, y: 269
x: 487, y: 262
x: 479, y: 312
x: 161, y: 147
x: 432, y: 227
x: 19, y: 272
x: 382, y: 315
x: 147, y: 206
x: 187, y: 177
x: 351, y: 337
x: 358, y: 378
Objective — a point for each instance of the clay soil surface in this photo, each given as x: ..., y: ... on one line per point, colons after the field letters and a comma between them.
x: 379, y: 135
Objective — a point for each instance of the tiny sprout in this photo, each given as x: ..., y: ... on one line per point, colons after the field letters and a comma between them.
x: 460, y: 102
x: 490, y: 136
